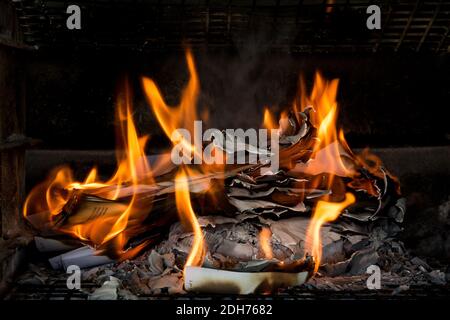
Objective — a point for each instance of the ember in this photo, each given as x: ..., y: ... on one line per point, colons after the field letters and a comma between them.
x: 243, y: 228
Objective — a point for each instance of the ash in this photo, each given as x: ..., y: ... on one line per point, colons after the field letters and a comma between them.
x: 233, y: 244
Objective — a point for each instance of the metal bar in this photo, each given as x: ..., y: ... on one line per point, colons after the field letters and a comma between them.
x: 388, y: 18
x: 444, y: 37
x: 430, y: 24
x: 207, y: 19
x: 183, y: 19
x: 408, y: 24
x: 250, y: 16
x: 299, y: 6
x: 23, y: 142
x: 229, y: 18
x: 16, y: 45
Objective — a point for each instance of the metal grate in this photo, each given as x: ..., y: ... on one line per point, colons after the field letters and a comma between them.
x: 292, y: 25
x: 59, y: 291
x: 55, y: 291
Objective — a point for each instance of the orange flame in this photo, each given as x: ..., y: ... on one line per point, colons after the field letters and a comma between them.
x: 181, y: 116
x: 327, y: 158
x: 132, y: 169
x: 331, y: 144
x: 323, y: 100
x: 332, y: 155
x: 323, y: 213
x: 329, y: 6
x: 189, y: 219
x: 264, y: 242
x: 170, y: 119
x: 269, y: 121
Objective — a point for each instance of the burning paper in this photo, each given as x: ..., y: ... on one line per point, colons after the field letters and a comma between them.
x: 199, y: 279
x: 265, y: 276
x: 83, y: 257
x: 318, y: 178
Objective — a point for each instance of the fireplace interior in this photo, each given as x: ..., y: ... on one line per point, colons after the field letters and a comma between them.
x: 60, y: 92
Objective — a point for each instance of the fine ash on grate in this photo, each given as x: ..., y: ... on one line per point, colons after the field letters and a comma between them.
x: 159, y: 271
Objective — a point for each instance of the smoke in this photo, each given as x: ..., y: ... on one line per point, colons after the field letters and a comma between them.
x: 237, y: 84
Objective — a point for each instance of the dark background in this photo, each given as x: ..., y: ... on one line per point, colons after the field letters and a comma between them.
x: 384, y: 99
x: 394, y: 83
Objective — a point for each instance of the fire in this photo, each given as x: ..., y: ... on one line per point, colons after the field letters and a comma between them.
x: 189, y: 219
x: 323, y: 213
x: 170, y: 119
x: 328, y: 156
x: 181, y: 116
x: 331, y: 160
x: 50, y: 195
x: 269, y: 121
x: 105, y: 230
x: 331, y: 144
x: 329, y: 7
x: 264, y: 242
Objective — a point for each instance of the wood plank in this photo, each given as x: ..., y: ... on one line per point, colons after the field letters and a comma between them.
x: 12, y: 123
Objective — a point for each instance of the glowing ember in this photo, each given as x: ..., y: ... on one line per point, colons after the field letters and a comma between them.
x: 265, y: 243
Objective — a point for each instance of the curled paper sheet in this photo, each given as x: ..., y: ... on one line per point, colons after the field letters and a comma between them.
x: 208, y: 280
x: 83, y: 257
x: 55, y: 245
